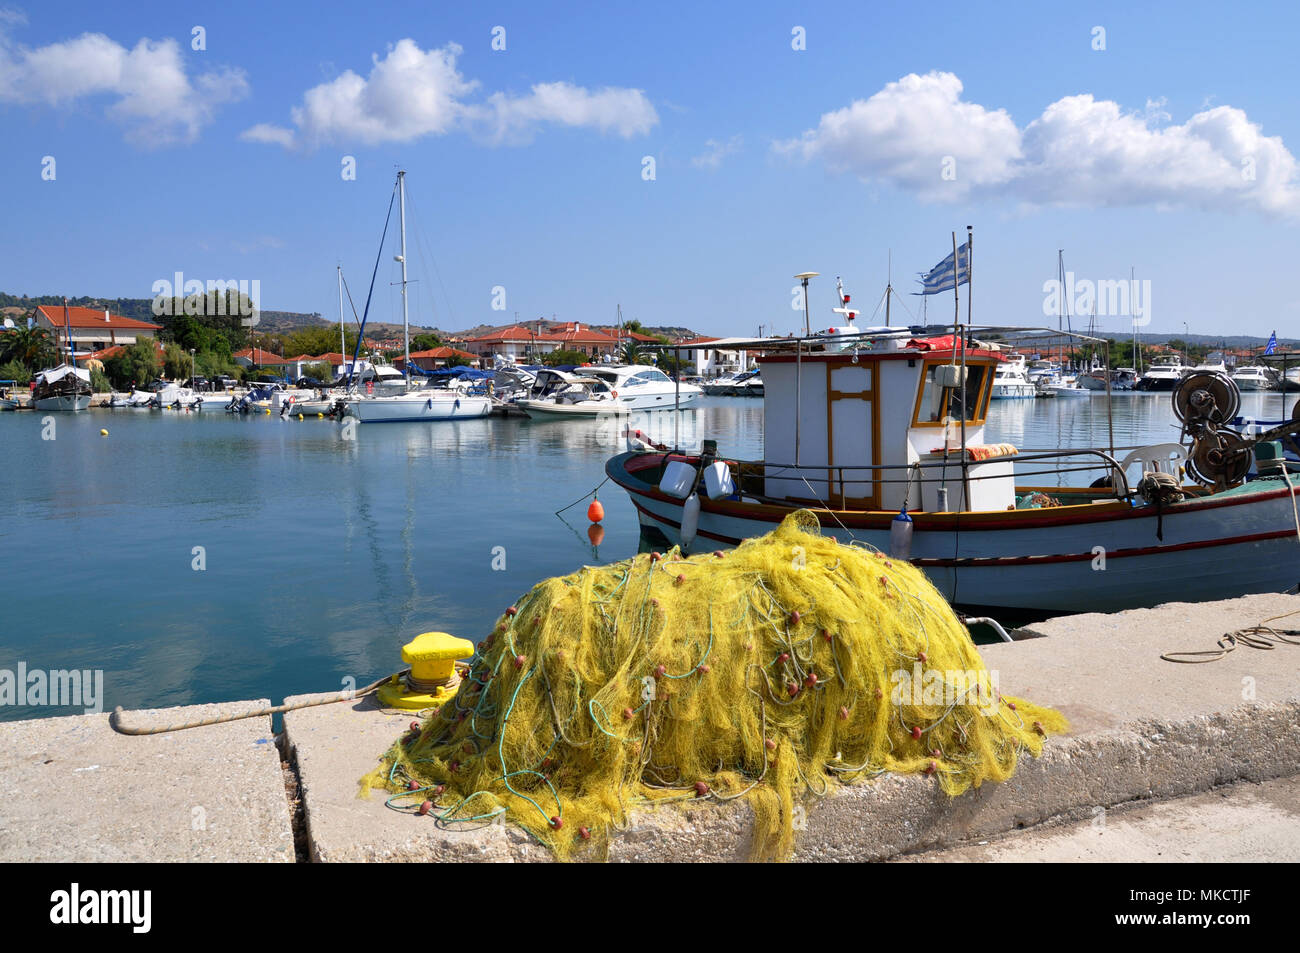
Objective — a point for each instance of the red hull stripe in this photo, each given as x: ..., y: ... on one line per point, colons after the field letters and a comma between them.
x: 985, y: 561
x: 1088, y: 515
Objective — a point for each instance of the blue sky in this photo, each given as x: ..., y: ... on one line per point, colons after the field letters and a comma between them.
x: 525, y: 166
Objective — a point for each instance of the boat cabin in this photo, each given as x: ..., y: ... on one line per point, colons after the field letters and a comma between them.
x: 899, y: 420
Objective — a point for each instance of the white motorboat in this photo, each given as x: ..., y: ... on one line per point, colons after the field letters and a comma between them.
x: 65, y: 388
x: 1011, y: 381
x: 1254, y: 377
x: 857, y: 440
x: 7, y: 400
x: 569, y: 394
x: 596, y: 391
x: 642, y: 387
x: 1163, y: 375
x: 428, y: 404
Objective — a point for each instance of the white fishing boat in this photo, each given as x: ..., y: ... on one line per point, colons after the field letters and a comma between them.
x: 1254, y: 377
x: 64, y: 388
x: 1011, y: 381
x: 889, y: 443
x: 415, y: 404
x: 7, y: 400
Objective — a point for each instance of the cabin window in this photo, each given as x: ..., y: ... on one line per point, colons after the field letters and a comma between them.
x: 939, y: 403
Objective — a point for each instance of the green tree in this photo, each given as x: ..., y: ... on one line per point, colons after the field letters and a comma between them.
x: 136, y: 366
x: 319, y: 340
x: 557, y: 358
x: 32, y: 347
x: 425, y: 342
x: 631, y: 352
x: 176, y: 362
x: 15, y: 371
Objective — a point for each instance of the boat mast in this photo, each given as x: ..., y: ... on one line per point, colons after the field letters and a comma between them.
x: 343, y: 341
x: 406, y: 320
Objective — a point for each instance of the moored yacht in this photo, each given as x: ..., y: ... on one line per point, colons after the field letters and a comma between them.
x: 1011, y: 382
x: 1254, y: 377
x: 1163, y: 374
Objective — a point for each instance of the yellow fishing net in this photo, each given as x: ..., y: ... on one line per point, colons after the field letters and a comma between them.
x: 768, y: 672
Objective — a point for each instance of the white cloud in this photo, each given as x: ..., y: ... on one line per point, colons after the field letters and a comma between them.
x: 1080, y: 151
x: 411, y: 93
x: 715, y: 151
x: 905, y: 131
x: 625, y: 112
x: 155, y: 96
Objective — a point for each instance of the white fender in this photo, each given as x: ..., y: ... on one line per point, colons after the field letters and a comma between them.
x: 690, y: 519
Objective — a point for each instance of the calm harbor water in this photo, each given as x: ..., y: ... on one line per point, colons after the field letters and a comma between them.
x: 321, y: 556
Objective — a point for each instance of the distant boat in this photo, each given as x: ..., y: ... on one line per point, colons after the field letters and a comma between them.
x: 1254, y: 378
x: 65, y: 388
x: 415, y: 404
x: 1163, y: 375
x: 1010, y: 380
x: 7, y: 402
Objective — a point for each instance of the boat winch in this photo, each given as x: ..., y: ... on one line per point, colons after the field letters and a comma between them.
x: 1205, y: 402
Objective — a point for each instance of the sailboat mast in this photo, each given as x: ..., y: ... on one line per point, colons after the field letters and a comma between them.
x: 406, y: 320
x: 343, y: 341
x: 889, y: 284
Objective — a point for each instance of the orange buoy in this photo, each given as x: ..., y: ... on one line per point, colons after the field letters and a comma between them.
x: 596, y: 533
x: 595, y: 512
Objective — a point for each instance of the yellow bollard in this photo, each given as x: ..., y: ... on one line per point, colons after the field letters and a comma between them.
x: 432, y: 679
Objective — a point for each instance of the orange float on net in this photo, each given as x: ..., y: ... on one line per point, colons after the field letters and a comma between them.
x: 596, y: 511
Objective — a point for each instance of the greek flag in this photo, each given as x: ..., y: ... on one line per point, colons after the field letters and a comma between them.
x: 1272, y: 343
x: 939, y: 278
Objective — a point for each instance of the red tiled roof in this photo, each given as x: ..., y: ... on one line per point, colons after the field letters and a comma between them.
x: 513, y: 333
x: 260, y: 357
x: 114, y: 351
x: 572, y: 336
x: 441, y: 353
x: 331, y: 358
x: 91, y: 317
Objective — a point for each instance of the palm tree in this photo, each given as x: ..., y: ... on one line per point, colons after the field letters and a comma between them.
x: 33, y: 347
x: 630, y: 352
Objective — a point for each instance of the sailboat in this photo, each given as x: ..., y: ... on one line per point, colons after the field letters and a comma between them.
x: 413, y: 404
x: 66, y: 387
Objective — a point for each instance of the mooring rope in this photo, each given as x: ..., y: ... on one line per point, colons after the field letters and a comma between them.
x: 115, y: 719
x: 1261, y: 636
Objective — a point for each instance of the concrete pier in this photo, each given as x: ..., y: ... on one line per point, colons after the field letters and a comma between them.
x: 1142, y: 729
x: 1152, y: 745
x: 73, y: 789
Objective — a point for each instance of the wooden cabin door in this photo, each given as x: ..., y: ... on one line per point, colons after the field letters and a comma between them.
x: 852, y: 433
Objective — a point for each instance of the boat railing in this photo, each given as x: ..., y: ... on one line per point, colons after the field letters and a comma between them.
x: 1089, y: 461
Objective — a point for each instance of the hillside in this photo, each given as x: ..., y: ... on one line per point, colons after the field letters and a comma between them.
x: 142, y: 309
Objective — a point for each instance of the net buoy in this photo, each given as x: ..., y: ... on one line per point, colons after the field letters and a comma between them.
x: 103, y: 433
x: 595, y: 512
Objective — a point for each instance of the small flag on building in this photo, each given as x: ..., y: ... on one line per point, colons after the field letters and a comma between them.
x: 1272, y: 343
x: 940, y: 277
